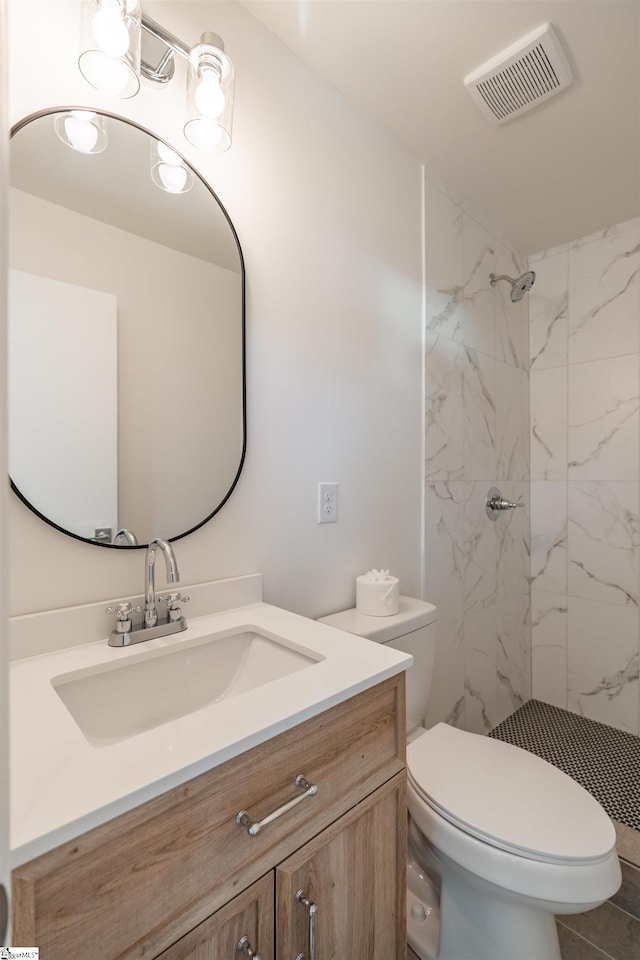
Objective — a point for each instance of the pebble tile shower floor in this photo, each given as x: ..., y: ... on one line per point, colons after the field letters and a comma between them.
x: 607, y: 764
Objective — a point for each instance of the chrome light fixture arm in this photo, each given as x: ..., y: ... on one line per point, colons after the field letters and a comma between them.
x: 163, y: 71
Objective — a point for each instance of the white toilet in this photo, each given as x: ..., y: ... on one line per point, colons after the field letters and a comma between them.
x: 506, y: 839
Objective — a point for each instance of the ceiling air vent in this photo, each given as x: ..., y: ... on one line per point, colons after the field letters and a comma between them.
x: 522, y: 76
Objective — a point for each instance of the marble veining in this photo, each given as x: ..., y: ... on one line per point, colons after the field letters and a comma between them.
x: 552, y: 328
x: 479, y: 323
x: 476, y: 425
x: 446, y: 700
x: 479, y: 415
x: 548, y: 314
x: 549, y: 399
x: 604, y: 422
x: 549, y: 624
x: 480, y: 550
x: 614, y: 684
x: 604, y: 297
x: 444, y: 565
x: 512, y: 654
x: 585, y: 468
x: 444, y: 264
x: 603, y: 662
x: 444, y: 428
x: 604, y: 541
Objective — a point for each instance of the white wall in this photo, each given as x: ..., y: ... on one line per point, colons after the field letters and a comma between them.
x: 328, y: 214
x: 585, y: 476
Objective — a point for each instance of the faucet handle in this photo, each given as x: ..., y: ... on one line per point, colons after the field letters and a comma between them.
x: 124, y: 625
x: 124, y: 610
x: 173, y: 601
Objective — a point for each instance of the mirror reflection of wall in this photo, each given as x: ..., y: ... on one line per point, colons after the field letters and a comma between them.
x: 173, y: 265
x: 64, y: 398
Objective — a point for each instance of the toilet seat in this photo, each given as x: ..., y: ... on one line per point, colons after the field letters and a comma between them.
x: 508, y: 798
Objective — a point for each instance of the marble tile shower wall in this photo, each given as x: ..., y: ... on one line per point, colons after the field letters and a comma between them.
x: 477, y: 416
x: 585, y: 475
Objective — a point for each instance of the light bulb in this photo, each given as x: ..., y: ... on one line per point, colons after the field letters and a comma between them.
x: 209, y: 98
x: 110, y: 76
x: 174, y: 178
x: 110, y: 31
x: 203, y: 134
x: 81, y: 132
x: 168, y: 156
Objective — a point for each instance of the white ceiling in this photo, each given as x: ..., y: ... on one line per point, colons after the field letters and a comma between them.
x: 566, y: 169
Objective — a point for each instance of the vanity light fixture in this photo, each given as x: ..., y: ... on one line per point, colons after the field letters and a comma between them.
x: 168, y: 169
x: 110, y: 57
x: 209, y: 95
x: 112, y: 62
x: 82, y: 130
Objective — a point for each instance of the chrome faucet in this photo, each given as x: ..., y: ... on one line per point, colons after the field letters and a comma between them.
x: 125, y: 537
x: 125, y: 632
x: 150, y: 611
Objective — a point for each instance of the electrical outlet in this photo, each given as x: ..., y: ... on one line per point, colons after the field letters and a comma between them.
x: 327, y: 502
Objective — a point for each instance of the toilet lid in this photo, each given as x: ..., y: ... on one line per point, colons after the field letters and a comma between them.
x: 507, y: 797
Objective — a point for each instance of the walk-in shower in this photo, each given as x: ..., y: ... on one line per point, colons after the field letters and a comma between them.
x: 519, y: 287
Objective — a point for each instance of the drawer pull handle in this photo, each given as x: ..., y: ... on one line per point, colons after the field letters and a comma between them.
x: 243, y: 946
x: 312, y: 910
x: 255, y: 826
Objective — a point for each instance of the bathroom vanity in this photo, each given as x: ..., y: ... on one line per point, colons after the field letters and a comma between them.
x: 180, y: 876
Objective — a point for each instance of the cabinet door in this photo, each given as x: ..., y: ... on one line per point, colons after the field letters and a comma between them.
x: 249, y: 915
x: 354, y: 874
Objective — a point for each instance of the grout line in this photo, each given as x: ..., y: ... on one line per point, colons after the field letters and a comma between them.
x: 584, y: 940
x: 632, y: 916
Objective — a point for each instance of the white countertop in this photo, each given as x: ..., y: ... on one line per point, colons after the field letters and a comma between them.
x: 62, y: 786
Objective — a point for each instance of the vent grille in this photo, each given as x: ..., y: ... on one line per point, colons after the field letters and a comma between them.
x: 518, y: 79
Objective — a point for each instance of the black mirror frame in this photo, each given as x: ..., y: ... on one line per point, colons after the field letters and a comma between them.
x: 142, y: 546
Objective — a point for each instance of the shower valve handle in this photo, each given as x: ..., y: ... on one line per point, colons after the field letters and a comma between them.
x: 495, y: 503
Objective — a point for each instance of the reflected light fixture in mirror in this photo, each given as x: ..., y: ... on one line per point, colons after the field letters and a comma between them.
x: 114, y: 57
x: 82, y: 130
x: 110, y: 57
x: 168, y: 170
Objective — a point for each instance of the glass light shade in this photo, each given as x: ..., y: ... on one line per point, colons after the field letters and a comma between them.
x: 210, y: 81
x: 82, y: 130
x: 168, y: 169
x: 110, y: 58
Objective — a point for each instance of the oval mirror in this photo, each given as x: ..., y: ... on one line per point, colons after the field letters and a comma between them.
x: 126, y: 333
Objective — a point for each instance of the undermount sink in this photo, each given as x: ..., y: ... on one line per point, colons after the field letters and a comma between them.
x: 111, y: 703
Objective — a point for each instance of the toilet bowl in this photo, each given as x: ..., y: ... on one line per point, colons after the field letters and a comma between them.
x: 513, y: 840
x: 499, y: 840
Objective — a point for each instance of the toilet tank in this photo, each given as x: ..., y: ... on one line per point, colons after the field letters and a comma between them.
x: 411, y: 630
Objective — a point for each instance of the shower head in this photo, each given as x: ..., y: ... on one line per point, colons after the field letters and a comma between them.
x: 518, y: 287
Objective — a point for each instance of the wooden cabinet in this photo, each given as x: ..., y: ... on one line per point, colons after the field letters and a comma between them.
x: 173, y: 876
x: 354, y: 875
x: 249, y: 915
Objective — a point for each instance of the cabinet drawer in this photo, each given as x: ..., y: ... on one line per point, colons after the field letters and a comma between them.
x: 249, y: 915
x: 133, y: 886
